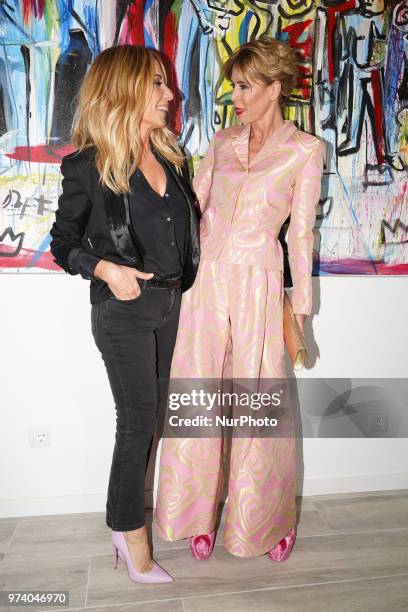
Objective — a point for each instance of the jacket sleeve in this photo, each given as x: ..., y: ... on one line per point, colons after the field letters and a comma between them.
x: 203, y: 177
x: 72, y: 216
x: 300, y: 237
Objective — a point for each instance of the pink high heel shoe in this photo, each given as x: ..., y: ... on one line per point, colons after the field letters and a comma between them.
x: 282, y: 550
x: 120, y: 549
x: 201, y: 546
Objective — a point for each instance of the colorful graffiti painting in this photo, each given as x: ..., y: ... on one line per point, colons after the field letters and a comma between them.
x: 352, y: 92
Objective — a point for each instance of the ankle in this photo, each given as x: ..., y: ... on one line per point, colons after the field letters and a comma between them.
x: 136, y: 535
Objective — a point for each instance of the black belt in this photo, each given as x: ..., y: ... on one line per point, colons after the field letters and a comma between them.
x: 167, y: 283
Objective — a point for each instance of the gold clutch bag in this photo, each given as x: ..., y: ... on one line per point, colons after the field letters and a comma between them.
x: 294, y: 339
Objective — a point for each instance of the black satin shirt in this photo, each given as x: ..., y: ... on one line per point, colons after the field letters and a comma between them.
x: 161, y: 225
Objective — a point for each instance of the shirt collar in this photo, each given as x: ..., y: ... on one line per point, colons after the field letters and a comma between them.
x: 240, y: 143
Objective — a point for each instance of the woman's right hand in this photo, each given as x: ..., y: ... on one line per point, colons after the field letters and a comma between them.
x: 121, y: 280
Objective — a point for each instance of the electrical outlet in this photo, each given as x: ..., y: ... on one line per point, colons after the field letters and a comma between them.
x: 40, y: 438
x: 379, y: 423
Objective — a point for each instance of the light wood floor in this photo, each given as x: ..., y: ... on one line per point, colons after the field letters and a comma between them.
x: 351, y: 554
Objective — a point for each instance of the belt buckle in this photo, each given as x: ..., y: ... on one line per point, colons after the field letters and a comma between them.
x: 167, y: 283
x: 173, y: 282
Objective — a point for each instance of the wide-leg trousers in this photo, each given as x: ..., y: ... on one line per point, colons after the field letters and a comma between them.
x: 234, y: 308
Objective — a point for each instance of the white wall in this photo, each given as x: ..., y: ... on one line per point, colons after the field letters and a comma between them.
x: 52, y: 376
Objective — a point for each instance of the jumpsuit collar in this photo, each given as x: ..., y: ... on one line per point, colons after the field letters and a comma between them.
x: 240, y: 143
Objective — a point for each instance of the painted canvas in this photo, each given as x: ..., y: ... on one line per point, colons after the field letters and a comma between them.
x: 352, y: 92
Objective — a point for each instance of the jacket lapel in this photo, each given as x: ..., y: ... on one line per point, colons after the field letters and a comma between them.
x: 272, y: 144
x: 240, y: 143
x: 117, y: 213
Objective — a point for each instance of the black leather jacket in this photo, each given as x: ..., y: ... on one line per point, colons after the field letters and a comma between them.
x: 93, y: 223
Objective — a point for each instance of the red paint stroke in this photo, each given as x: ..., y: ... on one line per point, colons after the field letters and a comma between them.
x: 332, y: 13
x: 304, y: 83
x: 133, y: 27
x: 170, y: 37
x: 170, y: 50
x: 294, y: 32
x: 378, y: 113
x: 24, y: 259
x: 361, y: 266
x: 32, y: 6
x: 46, y: 154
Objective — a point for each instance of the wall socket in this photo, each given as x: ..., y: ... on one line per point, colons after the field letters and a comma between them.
x: 378, y: 423
x: 40, y: 438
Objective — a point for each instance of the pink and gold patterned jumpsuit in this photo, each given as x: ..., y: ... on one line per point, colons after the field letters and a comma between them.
x: 237, y: 297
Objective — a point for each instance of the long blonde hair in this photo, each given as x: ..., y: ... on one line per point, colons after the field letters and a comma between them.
x: 112, y: 100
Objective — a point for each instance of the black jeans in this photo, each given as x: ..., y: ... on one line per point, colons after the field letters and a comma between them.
x: 136, y: 339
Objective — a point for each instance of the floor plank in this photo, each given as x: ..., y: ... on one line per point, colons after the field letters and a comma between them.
x: 351, y: 553
x: 354, y: 596
x: 313, y: 560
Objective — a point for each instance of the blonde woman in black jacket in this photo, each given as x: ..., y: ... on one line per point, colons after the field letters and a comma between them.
x: 127, y: 221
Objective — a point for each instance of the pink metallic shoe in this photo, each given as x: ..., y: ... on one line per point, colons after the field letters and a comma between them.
x: 120, y: 548
x: 201, y: 546
x: 282, y: 550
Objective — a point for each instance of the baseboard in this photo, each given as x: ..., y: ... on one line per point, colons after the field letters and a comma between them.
x: 353, y: 483
x: 43, y: 506
x: 73, y: 504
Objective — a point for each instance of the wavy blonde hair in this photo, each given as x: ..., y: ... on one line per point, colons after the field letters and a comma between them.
x: 112, y: 100
x: 266, y: 59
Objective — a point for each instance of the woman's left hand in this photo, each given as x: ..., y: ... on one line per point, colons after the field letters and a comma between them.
x: 300, y: 319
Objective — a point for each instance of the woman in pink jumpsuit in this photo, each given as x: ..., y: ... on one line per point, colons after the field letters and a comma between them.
x: 253, y: 176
